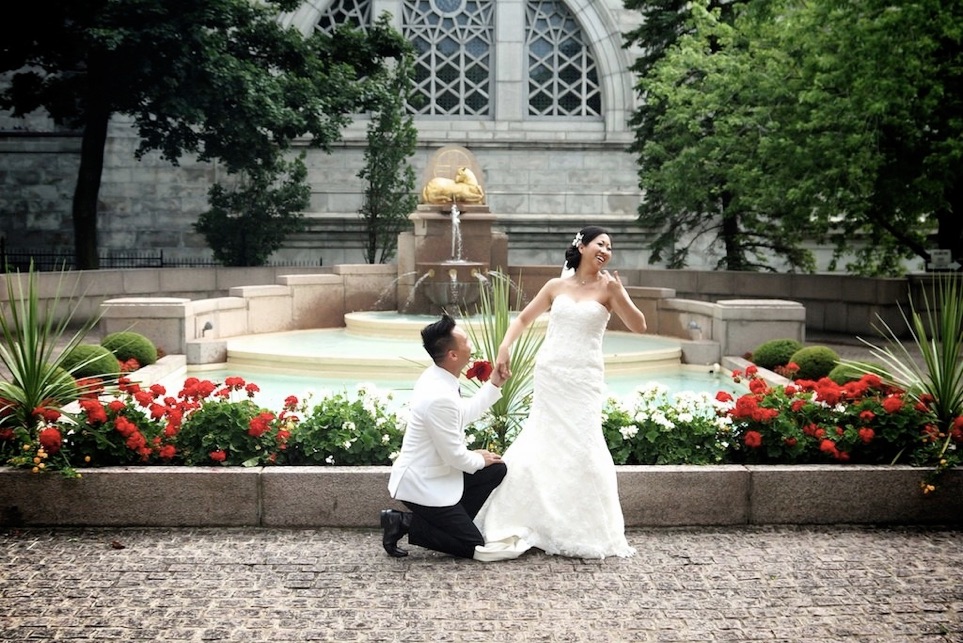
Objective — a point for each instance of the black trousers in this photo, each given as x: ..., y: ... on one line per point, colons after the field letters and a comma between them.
x: 450, y: 529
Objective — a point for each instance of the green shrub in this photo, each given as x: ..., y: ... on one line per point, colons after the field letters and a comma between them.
x: 91, y: 360
x: 775, y: 352
x: 127, y: 344
x: 843, y: 373
x: 814, y: 362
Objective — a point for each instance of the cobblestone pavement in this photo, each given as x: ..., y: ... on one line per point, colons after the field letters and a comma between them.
x: 792, y: 584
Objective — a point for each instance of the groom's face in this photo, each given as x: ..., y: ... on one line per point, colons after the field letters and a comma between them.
x: 462, y: 349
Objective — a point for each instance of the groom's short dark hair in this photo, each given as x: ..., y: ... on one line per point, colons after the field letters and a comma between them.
x: 436, y: 337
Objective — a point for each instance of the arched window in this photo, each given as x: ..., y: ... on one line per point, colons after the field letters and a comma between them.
x: 453, y: 41
x: 455, y: 44
x: 562, y: 76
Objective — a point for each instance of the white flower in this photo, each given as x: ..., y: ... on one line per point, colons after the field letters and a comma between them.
x: 385, y: 439
x: 577, y: 240
x: 350, y: 427
x: 629, y: 432
x: 329, y: 459
x: 394, y: 455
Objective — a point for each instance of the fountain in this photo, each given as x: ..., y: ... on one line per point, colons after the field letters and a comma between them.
x: 443, y: 262
x: 336, y: 325
x: 453, y: 284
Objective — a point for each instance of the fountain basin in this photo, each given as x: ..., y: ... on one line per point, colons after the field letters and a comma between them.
x: 377, y: 353
x: 406, y: 326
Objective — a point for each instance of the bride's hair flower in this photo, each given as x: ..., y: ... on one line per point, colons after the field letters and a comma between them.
x: 480, y: 370
x: 577, y: 240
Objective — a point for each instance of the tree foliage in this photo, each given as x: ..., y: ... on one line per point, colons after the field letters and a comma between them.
x: 389, y: 179
x: 246, y: 224
x: 219, y: 79
x: 805, y: 120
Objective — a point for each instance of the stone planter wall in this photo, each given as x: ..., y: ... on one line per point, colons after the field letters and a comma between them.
x: 306, y: 497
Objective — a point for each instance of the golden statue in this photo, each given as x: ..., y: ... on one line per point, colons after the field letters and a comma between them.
x: 463, y: 189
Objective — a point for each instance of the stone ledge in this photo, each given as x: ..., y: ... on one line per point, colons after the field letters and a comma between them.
x: 304, y: 497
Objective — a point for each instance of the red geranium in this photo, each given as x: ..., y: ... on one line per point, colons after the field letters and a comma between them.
x: 50, y: 439
x: 480, y: 370
x: 753, y: 439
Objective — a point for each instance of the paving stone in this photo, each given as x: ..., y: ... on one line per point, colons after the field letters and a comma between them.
x: 795, y: 584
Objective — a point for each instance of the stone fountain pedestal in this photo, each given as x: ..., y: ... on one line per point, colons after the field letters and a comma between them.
x: 425, y: 257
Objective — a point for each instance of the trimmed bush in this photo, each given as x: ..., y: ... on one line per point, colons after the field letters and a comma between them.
x: 814, y: 362
x: 128, y: 344
x: 91, y: 360
x: 775, y: 352
x: 843, y: 373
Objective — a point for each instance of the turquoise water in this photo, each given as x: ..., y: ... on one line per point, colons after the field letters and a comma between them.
x: 275, y: 387
x: 316, y: 363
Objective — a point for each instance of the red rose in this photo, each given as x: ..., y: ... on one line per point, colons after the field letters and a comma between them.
x: 480, y: 370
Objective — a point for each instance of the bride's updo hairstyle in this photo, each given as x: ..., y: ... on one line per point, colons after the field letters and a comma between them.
x: 436, y: 337
x: 584, y: 237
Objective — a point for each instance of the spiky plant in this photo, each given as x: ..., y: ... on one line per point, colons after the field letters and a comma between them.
x: 936, y: 378
x: 488, y: 328
x: 32, y: 351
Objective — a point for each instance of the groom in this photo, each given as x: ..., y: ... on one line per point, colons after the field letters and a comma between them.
x: 435, y: 475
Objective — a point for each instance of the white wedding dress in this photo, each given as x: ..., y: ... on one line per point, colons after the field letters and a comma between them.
x: 561, y: 493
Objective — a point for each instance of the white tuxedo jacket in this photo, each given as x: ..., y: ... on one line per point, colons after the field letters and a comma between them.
x: 429, y: 470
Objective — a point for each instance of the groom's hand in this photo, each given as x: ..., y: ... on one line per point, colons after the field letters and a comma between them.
x: 490, y: 458
x: 497, y: 378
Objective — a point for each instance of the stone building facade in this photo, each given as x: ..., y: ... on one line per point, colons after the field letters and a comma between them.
x: 538, y: 90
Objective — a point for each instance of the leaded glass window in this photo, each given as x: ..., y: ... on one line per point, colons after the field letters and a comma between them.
x: 562, y: 74
x: 453, y: 44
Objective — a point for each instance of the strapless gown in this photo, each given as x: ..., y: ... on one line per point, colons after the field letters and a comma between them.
x: 561, y: 492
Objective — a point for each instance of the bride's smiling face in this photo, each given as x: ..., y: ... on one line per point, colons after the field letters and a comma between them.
x: 598, y: 251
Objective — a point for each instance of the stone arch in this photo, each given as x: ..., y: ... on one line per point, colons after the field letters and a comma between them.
x: 612, y: 60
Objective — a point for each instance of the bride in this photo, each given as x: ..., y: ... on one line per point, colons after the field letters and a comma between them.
x: 561, y: 492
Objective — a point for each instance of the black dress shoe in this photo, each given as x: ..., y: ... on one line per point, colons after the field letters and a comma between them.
x: 395, y: 524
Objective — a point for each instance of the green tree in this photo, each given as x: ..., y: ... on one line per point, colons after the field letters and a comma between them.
x: 879, y: 120
x: 221, y: 79
x: 389, y: 179
x: 663, y: 23
x: 807, y: 120
x: 247, y: 224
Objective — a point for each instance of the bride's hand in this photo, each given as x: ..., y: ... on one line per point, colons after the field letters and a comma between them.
x: 612, y: 280
x: 502, y: 364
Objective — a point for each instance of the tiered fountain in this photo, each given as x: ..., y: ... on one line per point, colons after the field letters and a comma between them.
x: 444, y: 261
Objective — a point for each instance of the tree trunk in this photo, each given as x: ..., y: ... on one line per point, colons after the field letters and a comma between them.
x: 87, y: 191
x: 731, y: 236
x: 949, y: 234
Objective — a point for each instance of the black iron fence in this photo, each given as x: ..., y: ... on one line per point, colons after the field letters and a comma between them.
x: 46, y: 260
